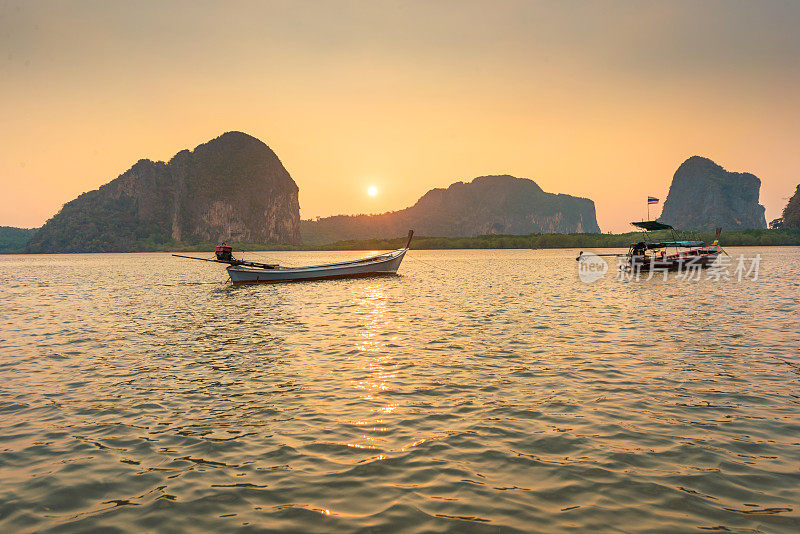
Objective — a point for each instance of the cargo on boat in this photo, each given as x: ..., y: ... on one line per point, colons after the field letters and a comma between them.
x: 666, y: 255
x: 645, y: 256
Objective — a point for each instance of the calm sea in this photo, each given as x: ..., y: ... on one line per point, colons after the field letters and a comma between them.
x: 478, y: 391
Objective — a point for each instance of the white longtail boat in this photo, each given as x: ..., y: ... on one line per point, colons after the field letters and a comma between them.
x: 248, y: 272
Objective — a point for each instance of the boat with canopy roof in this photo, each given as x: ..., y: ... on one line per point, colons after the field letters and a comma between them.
x: 675, y: 255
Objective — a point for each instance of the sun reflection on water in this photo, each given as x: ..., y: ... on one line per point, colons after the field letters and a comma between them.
x: 378, y: 366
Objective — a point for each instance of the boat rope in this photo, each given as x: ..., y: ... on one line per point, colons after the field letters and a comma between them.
x: 429, y: 264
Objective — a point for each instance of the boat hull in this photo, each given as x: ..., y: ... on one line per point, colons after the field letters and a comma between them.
x: 386, y: 264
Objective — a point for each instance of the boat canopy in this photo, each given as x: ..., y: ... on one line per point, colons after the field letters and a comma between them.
x: 652, y: 225
x: 687, y: 244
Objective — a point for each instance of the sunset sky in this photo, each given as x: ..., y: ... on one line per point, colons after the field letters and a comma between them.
x: 597, y: 99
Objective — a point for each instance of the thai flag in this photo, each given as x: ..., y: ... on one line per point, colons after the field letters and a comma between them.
x: 652, y: 200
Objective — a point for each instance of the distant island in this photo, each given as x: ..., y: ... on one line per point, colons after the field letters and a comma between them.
x: 790, y: 218
x: 14, y: 240
x: 486, y: 205
x: 704, y: 196
x: 234, y: 188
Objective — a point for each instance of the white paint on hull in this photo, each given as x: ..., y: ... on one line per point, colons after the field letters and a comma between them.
x: 376, y: 265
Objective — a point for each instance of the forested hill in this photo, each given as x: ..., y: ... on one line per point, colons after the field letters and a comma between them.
x: 791, y: 213
x: 13, y: 240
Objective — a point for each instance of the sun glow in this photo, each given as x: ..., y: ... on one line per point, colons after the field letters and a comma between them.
x: 372, y: 191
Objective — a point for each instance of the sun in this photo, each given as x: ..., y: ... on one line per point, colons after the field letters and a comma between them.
x: 372, y: 191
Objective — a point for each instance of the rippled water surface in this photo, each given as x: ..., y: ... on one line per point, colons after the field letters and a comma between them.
x: 478, y: 391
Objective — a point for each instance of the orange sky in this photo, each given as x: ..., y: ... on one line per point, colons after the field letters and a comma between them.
x: 602, y: 99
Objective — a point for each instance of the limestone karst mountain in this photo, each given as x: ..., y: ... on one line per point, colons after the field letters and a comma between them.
x: 703, y: 196
x: 232, y: 188
x: 790, y: 218
x: 486, y: 205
